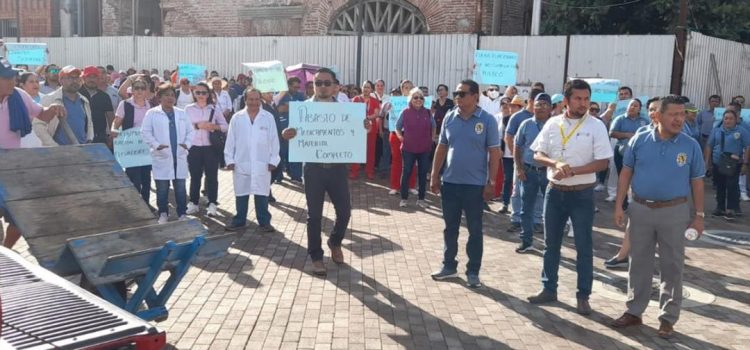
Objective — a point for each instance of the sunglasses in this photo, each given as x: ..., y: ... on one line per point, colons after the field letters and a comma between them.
x: 594, y: 109
x: 200, y: 93
x: 417, y: 98
x: 320, y: 83
x: 54, y: 71
x: 459, y: 94
x: 139, y: 87
x: 492, y: 89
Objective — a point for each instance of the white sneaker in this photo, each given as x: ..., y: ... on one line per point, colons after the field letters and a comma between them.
x: 392, y: 192
x: 183, y: 218
x: 163, y: 218
x: 212, y: 210
x: 610, y: 199
x: 422, y: 203
x: 744, y: 197
x: 599, y: 188
x: 402, y: 203
x: 192, y: 209
x: 414, y: 191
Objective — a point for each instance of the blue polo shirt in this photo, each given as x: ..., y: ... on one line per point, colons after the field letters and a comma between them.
x: 468, y: 142
x: 622, y: 123
x: 525, y: 136
x: 515, y: 121
x: 76, y: 117
x: 736, y: 141
x: 663, y: 169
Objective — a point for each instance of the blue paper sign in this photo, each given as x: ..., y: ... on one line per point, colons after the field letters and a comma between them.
x: 327, y: 132
x: 495, y: 67
x: 398, y: 105
x: 603, y: 90
x: 193, y: 72
x: 268, y: 76
x: 130, y: 150
x: 30, y: 54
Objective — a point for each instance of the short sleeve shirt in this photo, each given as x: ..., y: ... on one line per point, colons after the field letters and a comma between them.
x: 662, y: 169
x: 12, y: 139
x: 139, y: 112
x: 515, y: 121
x: 624, y: 124
x: 100, y: 103
x: 526, y: 135
x: 587, y: 143
x: 736, y: 140
x: 468, y: 142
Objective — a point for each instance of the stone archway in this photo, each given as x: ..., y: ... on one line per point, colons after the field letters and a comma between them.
x: 378, y: 16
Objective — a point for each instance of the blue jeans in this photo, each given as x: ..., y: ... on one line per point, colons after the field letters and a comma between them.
x: 579, y: 207
x: 507, y: 180
x: 516, y: 202
x: 294, y: 170
x: 385, y: 158
x: 162, y: 196
x: 278, y: 173
x: 140, y: 176
x: 422, y: 160
x: 536, y: 183
x: 261, y: 210
x: 467, y: 199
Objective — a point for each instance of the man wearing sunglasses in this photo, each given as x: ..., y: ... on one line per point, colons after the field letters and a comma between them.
x: 51, y: 79
x: 491, y: 102
x: 77, y: 126
x: 322, y: 178
x: 469, y: 147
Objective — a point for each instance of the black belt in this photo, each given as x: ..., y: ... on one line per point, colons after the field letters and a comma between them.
x: 659, y: 204
x: 535, y: 168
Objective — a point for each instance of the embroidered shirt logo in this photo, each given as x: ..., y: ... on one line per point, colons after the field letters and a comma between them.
x: 479, y: 128
x: 682, y: 159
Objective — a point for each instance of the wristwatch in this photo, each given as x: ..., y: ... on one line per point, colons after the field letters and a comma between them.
x: 701, y: 214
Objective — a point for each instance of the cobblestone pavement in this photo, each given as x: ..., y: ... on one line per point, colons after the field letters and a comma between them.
x: 262, y: 295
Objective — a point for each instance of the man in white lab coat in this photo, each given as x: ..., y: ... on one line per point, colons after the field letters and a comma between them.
x: 252, y: 152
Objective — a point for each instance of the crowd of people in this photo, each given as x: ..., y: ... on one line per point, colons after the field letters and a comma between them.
x: 541, y: 157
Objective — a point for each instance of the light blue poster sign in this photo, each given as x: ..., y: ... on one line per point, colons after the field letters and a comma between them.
x: 130, y: 150
x: 327, y: 132
x: 398, y: 105
x: 495, y: 67
x: 603, y: 90
x: 30, y: 54
x: 268, y: 76
x: 193, y: 72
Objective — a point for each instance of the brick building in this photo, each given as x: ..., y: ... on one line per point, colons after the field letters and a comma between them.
x: 38, y: 18
x: 311, y: 17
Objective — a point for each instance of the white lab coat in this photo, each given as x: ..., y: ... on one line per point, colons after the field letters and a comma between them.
x: 252, y: 147
x: 155, y: 132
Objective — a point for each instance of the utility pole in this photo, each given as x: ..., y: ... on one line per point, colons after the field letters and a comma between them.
x: 18, y: 21
x: 536, y: 17
x: 678, y: 60
x: 497, y: 16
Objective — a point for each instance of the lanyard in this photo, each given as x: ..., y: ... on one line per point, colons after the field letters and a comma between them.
x: 565, y: 139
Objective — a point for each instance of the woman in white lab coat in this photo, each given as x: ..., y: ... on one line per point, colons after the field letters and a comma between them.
x: 252, y: 152
x: 167, y: 130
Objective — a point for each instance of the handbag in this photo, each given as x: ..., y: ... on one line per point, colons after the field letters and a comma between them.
x: 217, y: 138
x: 727, y: 163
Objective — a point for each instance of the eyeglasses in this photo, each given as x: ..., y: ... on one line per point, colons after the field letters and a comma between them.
x: 320, y: 83
x: 459, y: 94
x: 200, y: 93
x: 492, y: 89
x: 139, y: 87
x: 417, y: 98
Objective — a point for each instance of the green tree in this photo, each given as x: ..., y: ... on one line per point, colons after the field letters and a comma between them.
x: 724, y: 19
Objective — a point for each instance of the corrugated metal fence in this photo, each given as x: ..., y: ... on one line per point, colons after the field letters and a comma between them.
x: 643, y: 62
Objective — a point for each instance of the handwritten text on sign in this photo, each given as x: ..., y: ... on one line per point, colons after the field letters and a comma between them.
x: 193, y: 72
x: 603, y: 90
x: 327, y: 132
x: 130, y: 150
x: 268, y: 76
x: 31, y: 54
x: 495, y: 67
x: 398, y: 105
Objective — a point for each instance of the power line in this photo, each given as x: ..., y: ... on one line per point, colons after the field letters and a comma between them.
x: 591, y: 7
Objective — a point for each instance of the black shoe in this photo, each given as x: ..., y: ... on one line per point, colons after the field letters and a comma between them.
x: 524, y: 247
x: 717, y: 213
x: 503, y: 209
x: 542, y: 297
x: 614, y: 263
x: 233, y: 228
x: 271, y: 199
x: 514, y: 228
x: 729, y: 215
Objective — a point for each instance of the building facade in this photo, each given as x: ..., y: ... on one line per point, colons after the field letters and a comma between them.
x: 310, y: 17
x: 37, y: 17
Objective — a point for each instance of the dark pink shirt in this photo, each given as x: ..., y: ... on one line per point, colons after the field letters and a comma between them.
x: 416, y: 126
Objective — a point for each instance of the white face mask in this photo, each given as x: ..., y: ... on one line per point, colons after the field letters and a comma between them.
x: 493, y: 94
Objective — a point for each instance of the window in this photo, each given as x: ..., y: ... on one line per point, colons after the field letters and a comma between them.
x: 378, y: 16
x: 8, y: 28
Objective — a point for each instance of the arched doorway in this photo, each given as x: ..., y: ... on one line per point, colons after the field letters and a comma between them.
x: 378, y: 16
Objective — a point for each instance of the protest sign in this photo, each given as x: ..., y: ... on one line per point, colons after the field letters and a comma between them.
x: 30, y: 54
x: 268, y: 76
x: 495, y: 67
x: 193, y: 72
x: 603, y: 90
x: 327, y: 132
x: 130, y: 150
x: 398, y: 105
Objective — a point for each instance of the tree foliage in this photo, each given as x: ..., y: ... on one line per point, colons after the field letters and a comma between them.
x: 724, y: 19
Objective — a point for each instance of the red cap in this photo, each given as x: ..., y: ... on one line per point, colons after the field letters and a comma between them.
x: 90, y: 70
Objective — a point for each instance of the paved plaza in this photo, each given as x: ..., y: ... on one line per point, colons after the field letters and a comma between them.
x: 262, y: 295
